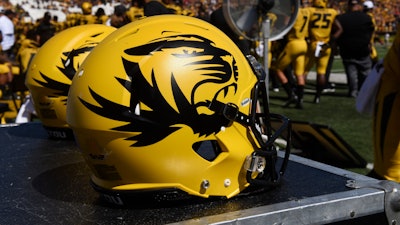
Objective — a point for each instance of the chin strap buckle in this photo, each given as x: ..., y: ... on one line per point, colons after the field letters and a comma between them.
x: 230, y: 111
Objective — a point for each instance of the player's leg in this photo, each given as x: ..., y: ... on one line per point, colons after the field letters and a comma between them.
x: 322, y: 64
x: 352, y: 77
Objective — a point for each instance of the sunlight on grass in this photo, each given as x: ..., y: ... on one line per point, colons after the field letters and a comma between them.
x: 335, y: 110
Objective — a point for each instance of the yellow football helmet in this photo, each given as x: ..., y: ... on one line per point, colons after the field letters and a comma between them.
x: 320, y: 3
x: 169, y: 102
x: 86, y: 8
x: 50, y: 73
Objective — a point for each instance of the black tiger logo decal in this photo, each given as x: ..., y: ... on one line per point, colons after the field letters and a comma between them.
x: 194, y: 61
x: 68, y: 68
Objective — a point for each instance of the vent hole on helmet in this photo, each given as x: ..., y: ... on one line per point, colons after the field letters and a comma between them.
x: 208, y: 150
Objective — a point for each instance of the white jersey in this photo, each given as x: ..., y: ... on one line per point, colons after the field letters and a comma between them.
x: 7, y: 31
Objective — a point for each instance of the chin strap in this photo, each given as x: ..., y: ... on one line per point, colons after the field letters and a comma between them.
x: 230, y: 111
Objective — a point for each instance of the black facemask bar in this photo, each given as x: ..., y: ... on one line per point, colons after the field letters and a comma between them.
x: 263, y: 119
x: 263, y: 159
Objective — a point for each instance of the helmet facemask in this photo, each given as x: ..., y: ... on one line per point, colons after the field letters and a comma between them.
x: 261, y: 165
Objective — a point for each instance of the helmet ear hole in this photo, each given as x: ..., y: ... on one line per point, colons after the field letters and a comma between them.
x: 208, y: 150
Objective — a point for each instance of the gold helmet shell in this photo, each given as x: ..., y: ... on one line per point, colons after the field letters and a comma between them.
x: 50, y: 73
x: 86, y: 8
x: 320, y: 3
x: 160, y: 91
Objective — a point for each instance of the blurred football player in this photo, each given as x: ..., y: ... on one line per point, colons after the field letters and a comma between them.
x: 322, y: 22
x: 294, y: 53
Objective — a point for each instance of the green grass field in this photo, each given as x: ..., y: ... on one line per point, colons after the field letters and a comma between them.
x: 335, y: 110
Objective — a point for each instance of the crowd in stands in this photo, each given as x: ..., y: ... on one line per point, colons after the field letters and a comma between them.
x: 66, y: 12
x: 386, y: 12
